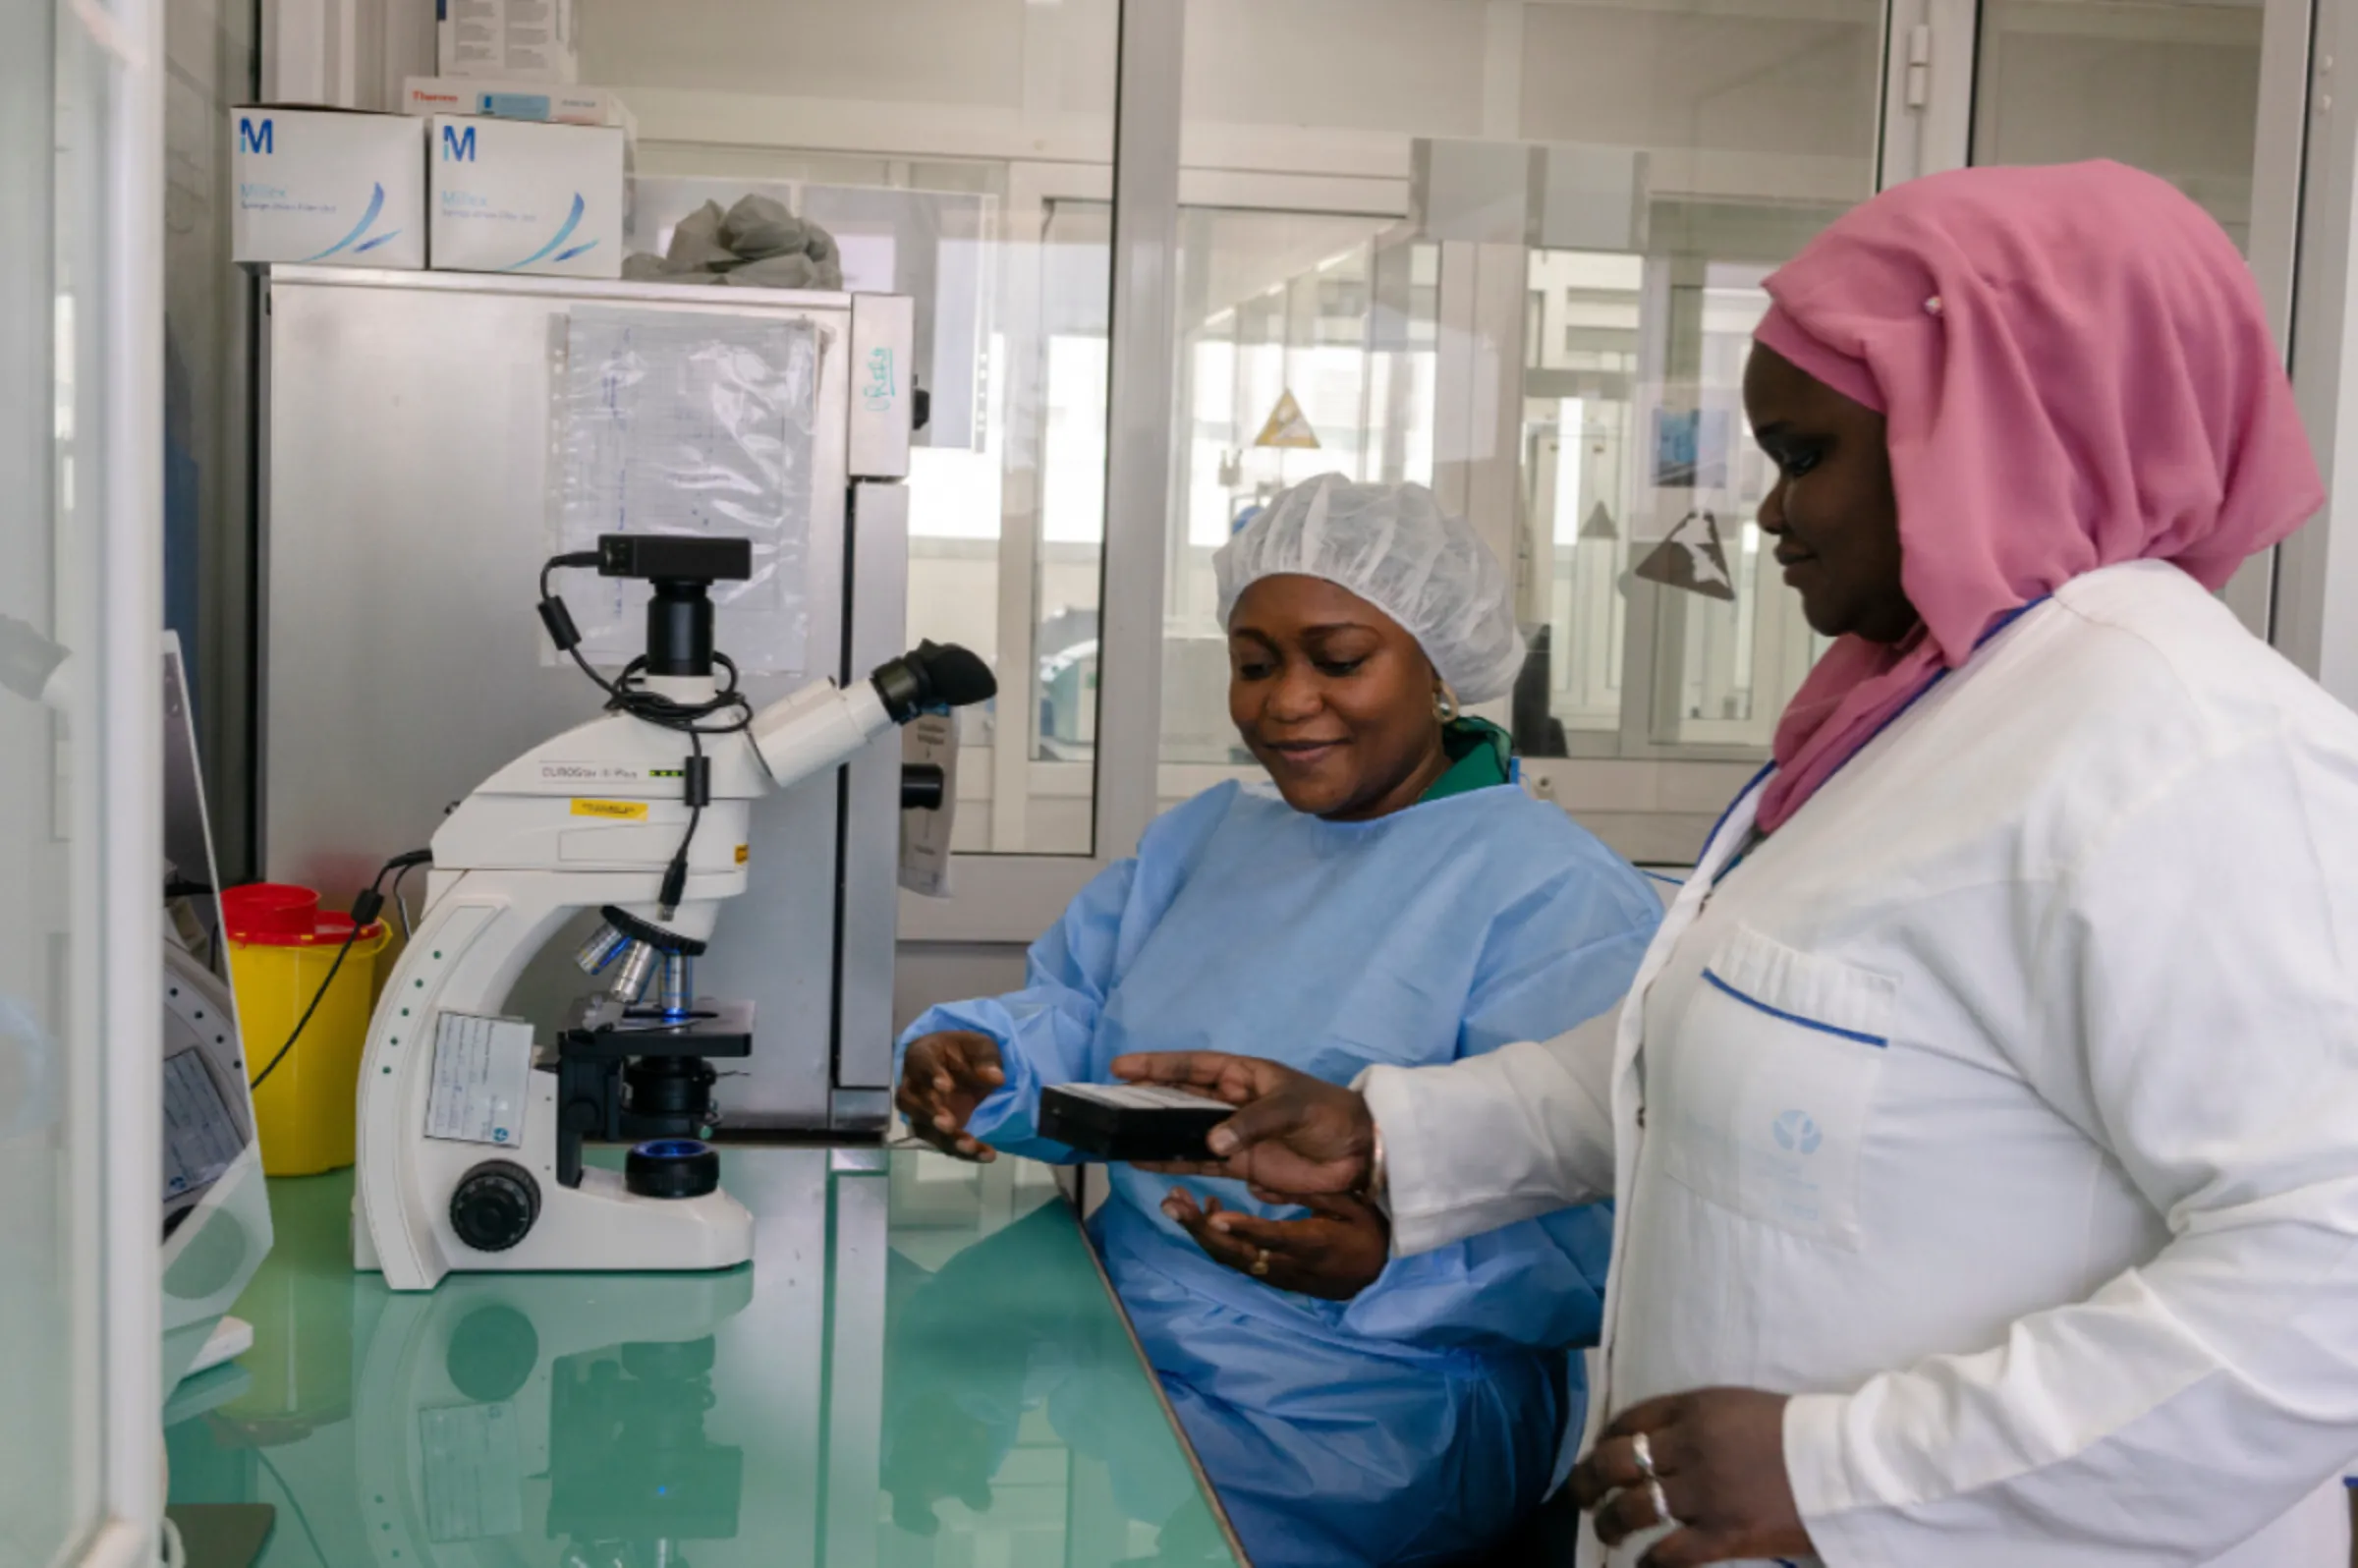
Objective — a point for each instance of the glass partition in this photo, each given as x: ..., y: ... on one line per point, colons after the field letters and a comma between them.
x: 1663, y: 628
x: 56, y: 92
x: 961, y: 152
x: 1567, y: 375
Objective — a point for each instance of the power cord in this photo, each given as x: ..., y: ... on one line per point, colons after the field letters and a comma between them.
x: 300, y: 1518
x: 402, y: 904
x: 726, y: 712
x: 364, y: 909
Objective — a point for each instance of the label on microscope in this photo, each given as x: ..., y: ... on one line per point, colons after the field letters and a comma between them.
x: 597, y: 773
x: 483, y: 1069
x: 612, y: 811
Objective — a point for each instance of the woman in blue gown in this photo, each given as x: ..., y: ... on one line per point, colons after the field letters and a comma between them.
x: 1394, y: 898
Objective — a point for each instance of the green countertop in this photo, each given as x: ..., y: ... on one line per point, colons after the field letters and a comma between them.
x: 921, y: 1366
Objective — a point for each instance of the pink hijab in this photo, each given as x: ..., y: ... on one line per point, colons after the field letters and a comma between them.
x: 2075, y: 370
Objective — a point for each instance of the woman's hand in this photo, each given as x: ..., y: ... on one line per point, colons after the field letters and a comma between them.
x: 944, y: 1078
x: 1336, y: 1253
x: 1294, y: 1132
x: 1718, y: 1456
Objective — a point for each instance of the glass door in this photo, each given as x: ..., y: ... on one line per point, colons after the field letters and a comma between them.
x: 1641, y: 489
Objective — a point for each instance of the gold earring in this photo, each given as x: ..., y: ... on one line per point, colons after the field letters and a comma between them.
x: 1444, y: 703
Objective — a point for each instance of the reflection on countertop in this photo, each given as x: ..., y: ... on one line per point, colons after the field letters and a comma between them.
x: 921, y: 1366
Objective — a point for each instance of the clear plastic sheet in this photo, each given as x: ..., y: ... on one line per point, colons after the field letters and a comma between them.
x: 696, y: 425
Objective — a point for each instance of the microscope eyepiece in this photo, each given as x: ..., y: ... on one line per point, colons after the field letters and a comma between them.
x: 932, y: 675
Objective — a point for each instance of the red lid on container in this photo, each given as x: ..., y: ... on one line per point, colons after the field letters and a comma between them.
x: 281, y: 915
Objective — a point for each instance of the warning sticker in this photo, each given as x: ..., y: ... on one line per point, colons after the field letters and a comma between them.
x: 1287, y: 426
x: 613, y: 811
x: 1692, y: 558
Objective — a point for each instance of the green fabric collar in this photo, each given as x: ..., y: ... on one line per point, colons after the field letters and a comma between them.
x: 1478, y: 752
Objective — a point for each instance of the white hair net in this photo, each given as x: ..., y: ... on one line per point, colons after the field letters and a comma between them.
x: 1392, y: 545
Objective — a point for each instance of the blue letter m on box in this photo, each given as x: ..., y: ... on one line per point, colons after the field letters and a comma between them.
x: 458, y: 146
x: 252, y: 138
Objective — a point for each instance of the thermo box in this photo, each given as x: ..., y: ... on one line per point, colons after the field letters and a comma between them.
x: 1130, y: 1122
x: 553, y: 102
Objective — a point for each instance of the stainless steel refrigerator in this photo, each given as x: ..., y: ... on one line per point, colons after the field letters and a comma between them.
x: 411, y: 461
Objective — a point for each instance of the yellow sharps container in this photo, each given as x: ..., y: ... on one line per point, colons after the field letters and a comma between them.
x: 283, y: 947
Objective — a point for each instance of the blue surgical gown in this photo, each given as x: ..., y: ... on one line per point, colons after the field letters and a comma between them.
x: 1421, y: 1418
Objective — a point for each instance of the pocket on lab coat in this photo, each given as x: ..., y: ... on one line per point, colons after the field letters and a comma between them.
x: 1769, y: 1082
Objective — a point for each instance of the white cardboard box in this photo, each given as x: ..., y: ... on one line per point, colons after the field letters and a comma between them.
x: 327, y: 186
x: 504, y: 99
x: 521, y: 41
x: 514, y: 196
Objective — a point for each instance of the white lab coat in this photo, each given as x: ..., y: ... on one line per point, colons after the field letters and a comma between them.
x: 2002, y: 1108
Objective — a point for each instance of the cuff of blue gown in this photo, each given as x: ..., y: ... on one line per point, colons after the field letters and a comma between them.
x: 992, y: 1113
x: 1817, y: 1467
x: 1012, y: 1102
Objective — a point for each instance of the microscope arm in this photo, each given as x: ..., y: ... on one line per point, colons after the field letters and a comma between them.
x: 819, y: 727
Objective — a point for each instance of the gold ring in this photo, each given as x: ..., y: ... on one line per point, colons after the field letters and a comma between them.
x: 1261, y: 1264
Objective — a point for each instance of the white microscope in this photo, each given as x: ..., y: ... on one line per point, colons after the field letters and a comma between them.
x: 470, y: 1135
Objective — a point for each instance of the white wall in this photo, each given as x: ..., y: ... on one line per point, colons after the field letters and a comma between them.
x: 979, y: 78
x: 929, y: 973
x: 1783, y: 93
x: 1395, y: 67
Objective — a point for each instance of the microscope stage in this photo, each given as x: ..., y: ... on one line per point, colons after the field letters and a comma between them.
x: 598, y: 1027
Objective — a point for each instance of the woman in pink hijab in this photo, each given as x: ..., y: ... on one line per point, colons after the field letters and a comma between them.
x: 1984, y: 1119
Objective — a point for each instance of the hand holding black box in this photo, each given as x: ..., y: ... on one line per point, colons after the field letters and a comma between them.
x: 1131, y: 1123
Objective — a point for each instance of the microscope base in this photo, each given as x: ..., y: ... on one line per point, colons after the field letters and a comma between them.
x: 412, y: 1186
x: 602, y: 1227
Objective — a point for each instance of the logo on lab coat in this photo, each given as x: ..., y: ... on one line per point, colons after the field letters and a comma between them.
x: 1795, y: 1131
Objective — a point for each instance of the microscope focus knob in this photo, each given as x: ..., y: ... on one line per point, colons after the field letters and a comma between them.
x: 494, y: 1206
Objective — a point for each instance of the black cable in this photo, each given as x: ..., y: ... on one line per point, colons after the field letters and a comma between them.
x: 317, y: 996
x: 365, y: 910
x: 296, y: 1504
x: 623, y: 695
x: 695, y: 721
x: 400, y: 904
x: 698, y: 790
